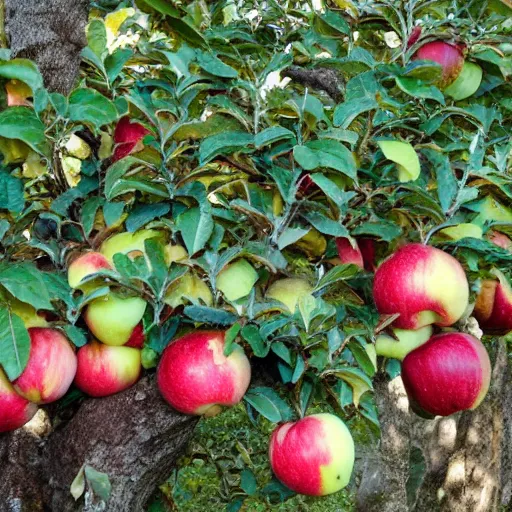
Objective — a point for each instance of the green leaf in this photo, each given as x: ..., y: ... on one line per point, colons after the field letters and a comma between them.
x: 335, y: 21
x: 112, y: 212
x: 362, y: 358
x: 24, y: 281
x: 196, y: 226
x: 213, y: 65
x: 447, y: 186
x: 76, y: 335
x: 331, y: 190
x: 271, y: 135
x: 24, y: 70
x: 22, y: 123
x: 89, y: 106
x: 290, y: 236
x: 359, y: 382
x: 208, y: 315
x: 383, y: 229
x: 4, y: 227
x: 223, y: 143
x: 97, y: 38
x: 325, y: 225
x: 115, y: 62
x: 14, y: 344
x: 11, y: 193
x: 98, y: 482
x: 419, y: 89
x: 404, y: 155
x: 336, y: 274
x: 248, y: 482
x: 326, y: 153
x: 144, y: 213
x: 88, y: 214
x: 251, y: 334
x: 269, y: 404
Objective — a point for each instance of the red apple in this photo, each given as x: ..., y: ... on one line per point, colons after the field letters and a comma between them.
x: 451, y: 372
x: 424, y: 285
x: 448, y: 56
x: 137, y: 338
x: 348, y: 253
x: 195, y: 376
x: 500, y: 239
x: 104, y: 370
x: 85, y: 265
x: 15, y: 411
x: 313, y: 456
x: 493, y: 308
x: 50, y: 369
x: 128, y: 137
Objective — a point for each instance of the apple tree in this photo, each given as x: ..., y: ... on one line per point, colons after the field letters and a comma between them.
x: 300, y: 207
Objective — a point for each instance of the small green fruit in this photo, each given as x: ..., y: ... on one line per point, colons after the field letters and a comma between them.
x: 289, y: 291
x: 237, y: 280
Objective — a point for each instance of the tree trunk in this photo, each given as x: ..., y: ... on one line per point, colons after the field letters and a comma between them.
x: 50, y: 32
x: 134, y: 437
x: 467, y: 456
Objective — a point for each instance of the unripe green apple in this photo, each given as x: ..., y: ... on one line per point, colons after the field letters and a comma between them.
x: 313, y: 456
x: 189, y: 286
x: 237, y: 280
x: 126, y: 243
x: 288, y: 291
x: 104, y: 370
x: 467, y: 83
x: 50, y: 369
x: 407, y: 341
x: 86, y: 265
x: 15, y: 410
x: 112, y: 319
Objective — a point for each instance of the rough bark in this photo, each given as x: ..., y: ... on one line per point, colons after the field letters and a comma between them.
x: 467, y: 456
x: 134, y: 437
x: 322, y: 79
x: 50, y: 32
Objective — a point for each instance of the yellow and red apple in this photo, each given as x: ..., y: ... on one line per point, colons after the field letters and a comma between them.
x: 104, y: 370
x: 85, y: 265
x: 128, y: 243
x: 112, y: 319
x: 493, y: 308
x: 195, y: 377
x: 50, y: 369
x: 451, y: 372
x: 422, y: 284
x: 15, y: 410
x: 403, y: 342
x: 313, y: 456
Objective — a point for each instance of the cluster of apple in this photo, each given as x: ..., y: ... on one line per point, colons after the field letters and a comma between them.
x: 426, y: 287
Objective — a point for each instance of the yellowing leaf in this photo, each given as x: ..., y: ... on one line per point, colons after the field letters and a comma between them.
x: 114, y: 20
x: 14, y: 150
x: 404, y: 155
x: 464, y: 230
x: 17, y: 93
x: 71, y: 167
x: 34, y: 166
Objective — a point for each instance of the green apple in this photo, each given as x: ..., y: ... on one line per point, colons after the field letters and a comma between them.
x: 407, y: 340
x: 237, y: 279
x: 467, y: 83
x: 112, y: 319
x: 189, y: 287
x: 288, y: 291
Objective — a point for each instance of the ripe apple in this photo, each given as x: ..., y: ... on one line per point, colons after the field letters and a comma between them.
x: 448, y: 56
x: 50, y: 369
x: 85, y: 265
x: 288, y: 291
x: 195, y: 376
x: 237, y: 279
x: 15, y: 410
x: 493, y: 308
x: 500, y: 240
x: 128, y: 138
x: 451, y: 372
x: 189, y: 287
x: 137, y: 337
x: 313, y: 456
x: 348, y: 253
x: 128, y: 243
x: 112, y: 319
x: 105, y: 370
x: 424, y: 285
x: 407, y: 341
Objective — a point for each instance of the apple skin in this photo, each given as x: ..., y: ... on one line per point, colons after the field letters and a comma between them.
x: 447, y: 55
x: 313, y: 456
x: 15, y: 410
x: 500, y: 240
x: 237, y: 280
x: 50, y: 369
x: 28, y: 314
x: 424, y: 284
x: 112, y: 319
x: 408, y: 340
x: 349, y: 254
x: 85, y: 265
x: 195, y: 377
x: 137, y: 337
x: 288, y: 291
x: 126, y: 243
x: 189, y: 286
x: 451, y: 372
x: 128, y: 137
x: 493, y: 307
x: 104, y: 370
